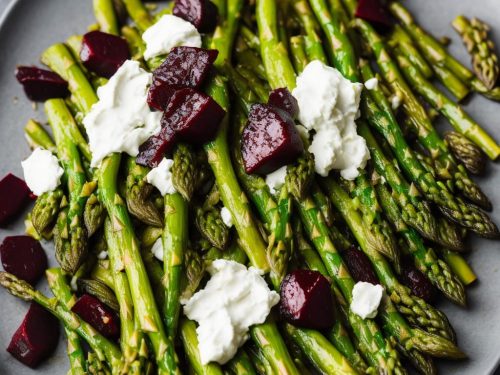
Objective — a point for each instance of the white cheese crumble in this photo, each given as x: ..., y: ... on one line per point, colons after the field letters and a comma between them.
x: 366, y: 299
x: 227, y: 218
x: 121, y: 120
x: 42, y: 171
x: 371, y: 84
x: 161, y: 177
x: 234, y: 299
x: 102, y: 255
x: 275, y: 180
x: 157, y: 249
x: 395, y: 101
x: 329, y: 105
x: 169, y: 32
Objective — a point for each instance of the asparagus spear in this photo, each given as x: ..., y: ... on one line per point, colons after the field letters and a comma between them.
x: 62, y: 292
x: 104, y: 12
x: 37, y: 136
x: 241, y: 364
x: 103, y: 348
x: 298, y: 52
x: 466, y: 151
x: 459, y: 266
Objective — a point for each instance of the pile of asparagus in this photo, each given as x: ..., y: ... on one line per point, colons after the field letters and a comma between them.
x: 415, y: 199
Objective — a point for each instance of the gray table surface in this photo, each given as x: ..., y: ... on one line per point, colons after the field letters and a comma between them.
x: 3, y: 5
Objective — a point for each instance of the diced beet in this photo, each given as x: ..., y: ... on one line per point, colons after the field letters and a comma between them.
x: 270, y: 140
x: 283, y: 99
x: 201, y: 13
x: 40, y: 84
x: 14, y: 195
x: 36, y: 338
x: 374, y: 12
x: 191, y: 116
x: 183, y: 67
x: 98, y: 315
x: 418, y: 283
x: 359, y: 265
x: 306, y: 300
x: 103, y: 53
x: 23, y: 257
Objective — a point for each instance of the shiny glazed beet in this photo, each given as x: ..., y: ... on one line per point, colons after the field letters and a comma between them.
x: 306, y: 300
x: 183, y: 67
x: 190, y: 116
x: 36, y: 338
x: 374, y: 12
x: 270, y: 140
x: 416, y: 281
x: 359, y: 265
x: 103, y: 53
x: 283, y: 99
x: 201, y: 13
x: 98, y: 315
x: 40, y: 84
x: 14, y: 195
x: 23, y: 257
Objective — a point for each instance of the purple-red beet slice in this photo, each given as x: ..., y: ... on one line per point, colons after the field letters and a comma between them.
x: 98, y: 315
x: 183, y: 67
x: 14, y: 195
x: 190, y: 116
x: 103, y: 53
x: 283, y: 99
x: 374, y: 12
x: 23, y: 257
x: 270, y: 140
x: 36, y: 338
x: 306, y: 300
x: 201, y: 13
x: 40, y: 84
x: 359, y: 265
x: 418, y: 283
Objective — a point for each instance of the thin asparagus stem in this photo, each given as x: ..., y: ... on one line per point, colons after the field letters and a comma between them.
x: 459, y: 265
x: 38, y: 137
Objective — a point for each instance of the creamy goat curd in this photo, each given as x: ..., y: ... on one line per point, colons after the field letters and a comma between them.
x: 42, y: 171
x: 161, y: 177
x: 366, y: 299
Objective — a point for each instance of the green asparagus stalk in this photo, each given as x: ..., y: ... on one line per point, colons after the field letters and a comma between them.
x: 138, y: 13
x: 62, y: 292
x: 93, y: 214
x: 100, y: 290
x: 46, y: 209
x: 37, y: 136
x: 459, y: 266
x: 466, y: 151
x: 241, y: 364
x: 103, y: 348
x: 70, y: 234
x: 105, y: 14
x: 298, y: 52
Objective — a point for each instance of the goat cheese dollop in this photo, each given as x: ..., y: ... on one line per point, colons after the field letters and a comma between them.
x: 329, y: 105
x: 121, y: 120
x: 227, y: 218
x: 275, y: 180
x: 161, y: 177
x: 371, y: 84
x: 366, y: 299
x: 42, y: 171
x: 157, y: 249
x: 169, y: 32
x: 234, y: 299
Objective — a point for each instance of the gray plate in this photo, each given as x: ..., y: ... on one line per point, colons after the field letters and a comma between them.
x: 32, y: 25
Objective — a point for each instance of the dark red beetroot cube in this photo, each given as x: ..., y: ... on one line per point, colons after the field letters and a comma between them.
x: 359, y: 265
x: 283, y: 99
x: 270, y: 140
x: 191, y: 116
x: 14, y: 195
x: 374, y: 12
x: 23, y: 257
x: 40, y: 84
x: 183, y: 67
x: 103, y: 53
x: 36, y: 338
x: 306, y: 300
x: 201, y: 13
x: 417, y: 281
x: 98, y: 315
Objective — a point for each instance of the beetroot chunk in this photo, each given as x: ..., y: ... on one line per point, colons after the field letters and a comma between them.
x: 418, y: 283
x: 306, y: 300
x: 98, y: 315
x: 270, y: 140
x: 191, y: 116
x: 103, y: 53
x: 40, y: 84
x: 374, y: 12
x: 283, y: 99
x: 201, y: 13
x: 23, y: 257
x: 359, y: 265
x: 14, y: 195
x: 36, y: 338
x: 183, y: 67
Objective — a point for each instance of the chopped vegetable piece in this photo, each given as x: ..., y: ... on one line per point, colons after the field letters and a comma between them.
x: 23, y: 257
x: 98, y: 315
x: 40, y: 84
x: 14, y: 195
x: 359, y: 265
x: 283, y: 99
x: 415, y: 280
x: 201, y: 13
x: 374, y: 12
